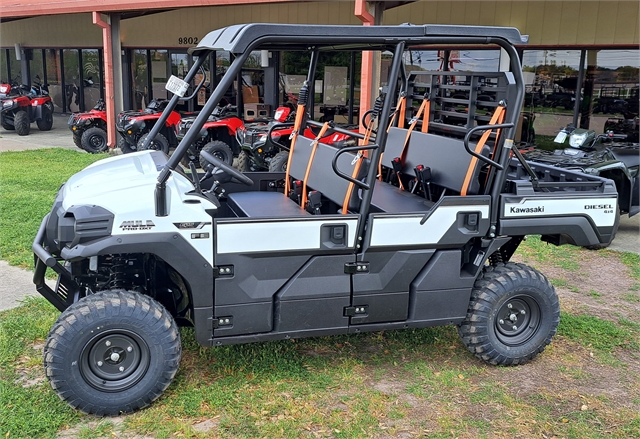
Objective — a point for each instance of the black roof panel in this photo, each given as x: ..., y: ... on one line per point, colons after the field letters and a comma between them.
x: 238, y: 38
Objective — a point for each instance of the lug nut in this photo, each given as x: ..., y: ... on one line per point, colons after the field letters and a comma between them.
x: 509, y: 305
x: 515, y: 328
x: 121, y: 369
x: 100, y: 363
x: 129, y: 349
x: 522, y: 312
x: 108, y: 343
x: 501, y: 322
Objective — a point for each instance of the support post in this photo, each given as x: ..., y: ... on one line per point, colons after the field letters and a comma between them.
x: 109, y: 100
x: 369, y: 78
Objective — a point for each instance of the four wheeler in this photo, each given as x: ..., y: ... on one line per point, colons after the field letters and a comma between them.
x: 22, y: 105
x: 598, y: 155
x: 134, y: 126
x: 266, y: 144
x: 217, y: 137
x: 331, y: 246
x: 90, y: 129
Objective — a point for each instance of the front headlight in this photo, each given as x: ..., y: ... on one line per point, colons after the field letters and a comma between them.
x: 577, y: 140
x: 241, y: 134
x: 8, y: 103
x: 259, y: 141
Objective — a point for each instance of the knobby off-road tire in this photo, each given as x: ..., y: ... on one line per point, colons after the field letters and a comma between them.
x: 21, y: 123
x: 279, y: 162
x: 94, y: 140
x: 112, y: 352
x: 7, y: 126
x: 243, y: 162
x: 219, y: 149
x: 159, y: 143
x: 513, y: 314
x: 77, y: 140
x: 124, y: 146
x: 46, y: 123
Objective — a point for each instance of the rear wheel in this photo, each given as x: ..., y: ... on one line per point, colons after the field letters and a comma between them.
x: 22, y: 123
x: 279, y: 162
x: 94, y: 140
x: 112, y: 352
x: 513, y: 314
x: 46, y: 123
x: 159, y: 143
x: 219, y: 149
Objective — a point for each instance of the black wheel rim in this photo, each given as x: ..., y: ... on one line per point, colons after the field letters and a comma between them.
x: 114, y: 361
x: 97, y: 142
x: 517, y: 320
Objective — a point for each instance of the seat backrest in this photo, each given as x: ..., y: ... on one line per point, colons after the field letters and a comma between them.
x: 321, y: 177
x: 448, y: 159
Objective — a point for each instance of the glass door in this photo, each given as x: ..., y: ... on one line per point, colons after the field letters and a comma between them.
x: 180, y: 67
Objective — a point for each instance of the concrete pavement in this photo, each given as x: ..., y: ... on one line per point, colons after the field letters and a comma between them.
x: 16, y: 284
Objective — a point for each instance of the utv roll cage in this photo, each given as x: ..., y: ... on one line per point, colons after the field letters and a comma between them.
x: 240, y: 40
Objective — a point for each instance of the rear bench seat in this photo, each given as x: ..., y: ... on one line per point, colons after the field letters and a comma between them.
x: 447, y: 158
x: 321, y: 178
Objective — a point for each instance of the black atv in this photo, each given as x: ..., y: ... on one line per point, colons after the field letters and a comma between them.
x: 604, y: 155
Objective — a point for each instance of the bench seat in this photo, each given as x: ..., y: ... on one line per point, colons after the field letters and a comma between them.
x: 391, y: 199
x: 263, y: 204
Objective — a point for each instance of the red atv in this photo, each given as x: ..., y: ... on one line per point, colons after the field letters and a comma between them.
x: 21, y: 106
x: 265, y: 145
x: 90, y: 129
x: 134, y: 126
x: 217, y: 137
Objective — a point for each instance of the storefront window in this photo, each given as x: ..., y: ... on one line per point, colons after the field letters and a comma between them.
x: 92, y: 82
x: 159, y: 75
x: 54, y: 78
x: 140, y: 79
x: 71, y: 64
x: 15, y: 68
x: 37, y: 67
x: 4, y: 67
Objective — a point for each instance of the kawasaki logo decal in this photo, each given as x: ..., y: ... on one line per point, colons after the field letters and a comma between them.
x: 137, y: 225
x: 537, y: 209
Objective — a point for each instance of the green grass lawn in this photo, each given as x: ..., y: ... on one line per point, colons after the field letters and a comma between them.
x: 412, y: 383
x: 29, y: 181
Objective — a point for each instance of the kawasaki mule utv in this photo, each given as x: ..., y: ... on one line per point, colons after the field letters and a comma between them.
x: 410, y: 229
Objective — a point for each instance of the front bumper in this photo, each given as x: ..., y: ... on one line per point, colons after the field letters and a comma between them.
x: 66, y: 291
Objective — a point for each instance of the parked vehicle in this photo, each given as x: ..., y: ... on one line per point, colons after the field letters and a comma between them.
x: 217, y: 137
x: 90, y: 129
x: 627, y: 126
x: 266, y: 144
x: 241, y: 259
x: 603, y: 155
x: 22, y: 105
x: 134, y: 126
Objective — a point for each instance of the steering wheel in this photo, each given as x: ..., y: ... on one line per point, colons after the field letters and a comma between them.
x: 233, y: 173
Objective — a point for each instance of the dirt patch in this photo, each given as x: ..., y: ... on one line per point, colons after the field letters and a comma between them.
x: 598, y: 287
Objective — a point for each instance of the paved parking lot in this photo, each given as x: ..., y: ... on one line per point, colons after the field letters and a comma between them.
x: 58, y: 137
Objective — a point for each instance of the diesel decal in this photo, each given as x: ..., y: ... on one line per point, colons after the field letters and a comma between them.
x: 598, y: 206
x: 190, y: 225
x: 538, y: 209
x: 137, y: 225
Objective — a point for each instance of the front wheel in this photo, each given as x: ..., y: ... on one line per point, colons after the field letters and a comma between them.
x: 94, y: 140
x: 159, y: 143
x: 219, y: 149
x: 513, y: 314
x: 112, y: 352
x: 279, y: 162
x: 243, y: 162
x: 22, y: 123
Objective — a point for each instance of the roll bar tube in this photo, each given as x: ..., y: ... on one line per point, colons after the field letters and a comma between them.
x: 473, y: 130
